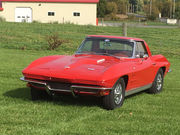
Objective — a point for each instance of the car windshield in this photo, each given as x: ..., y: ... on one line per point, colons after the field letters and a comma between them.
x: 110, y: 47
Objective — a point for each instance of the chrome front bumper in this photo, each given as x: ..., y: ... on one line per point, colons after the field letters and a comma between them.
x: 73, y: 88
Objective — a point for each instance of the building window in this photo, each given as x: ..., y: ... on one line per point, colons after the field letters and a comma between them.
x: 51, y: 13
x: 76, y: 14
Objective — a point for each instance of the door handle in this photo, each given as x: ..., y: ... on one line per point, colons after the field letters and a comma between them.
x: 153, y: 63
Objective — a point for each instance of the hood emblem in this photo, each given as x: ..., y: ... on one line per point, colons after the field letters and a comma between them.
x: 67, y: 67
x: 91, y: 69
x: 100, y: 61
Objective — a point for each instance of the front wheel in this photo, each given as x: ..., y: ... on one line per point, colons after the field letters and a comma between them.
x: 116, y: 96
x: 158, y: 83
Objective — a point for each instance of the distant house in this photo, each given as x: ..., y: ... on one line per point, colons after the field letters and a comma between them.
x: 81, y: 12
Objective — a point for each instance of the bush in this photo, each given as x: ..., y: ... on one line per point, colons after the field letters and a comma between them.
x: 151, y: 17
x: 112, y: 16
x: 54, y: 41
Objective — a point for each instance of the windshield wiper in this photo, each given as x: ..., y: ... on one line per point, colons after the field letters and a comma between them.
x: 107, y: 54
x: 86, y: 53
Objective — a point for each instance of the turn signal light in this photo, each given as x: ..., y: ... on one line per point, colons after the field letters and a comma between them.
x: 104, y: 93
x: 28, y: 85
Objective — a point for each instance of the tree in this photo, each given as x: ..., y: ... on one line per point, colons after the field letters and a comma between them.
x: 133, y: 4
x: 167, y: 9
x: 111, y: 8
x: 177, y: 13
x: 140, y: 5
x: 101, y: 8
x: 121, y: 5
x: 151, y: 9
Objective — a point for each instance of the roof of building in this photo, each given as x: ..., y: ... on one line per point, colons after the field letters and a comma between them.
x: 55, y: 1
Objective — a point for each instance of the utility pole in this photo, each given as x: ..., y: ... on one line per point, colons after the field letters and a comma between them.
x: 124, y: 29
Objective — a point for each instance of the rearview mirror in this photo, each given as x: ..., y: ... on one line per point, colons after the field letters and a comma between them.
x: 137, y: 56
x: 145, y: 56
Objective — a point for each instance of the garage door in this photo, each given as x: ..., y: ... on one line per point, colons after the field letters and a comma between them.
x: 23, y: 14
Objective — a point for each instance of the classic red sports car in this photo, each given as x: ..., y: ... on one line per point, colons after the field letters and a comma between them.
x: 110, y: 67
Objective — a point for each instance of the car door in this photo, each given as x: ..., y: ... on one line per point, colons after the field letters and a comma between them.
x: 143, y: 67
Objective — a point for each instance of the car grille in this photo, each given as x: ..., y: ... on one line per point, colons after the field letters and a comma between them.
x: 55, y: 85
x: 60, y: 85
x: 38, y: 85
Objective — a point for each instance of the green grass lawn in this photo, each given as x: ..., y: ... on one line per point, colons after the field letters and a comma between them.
x: 141, y: 114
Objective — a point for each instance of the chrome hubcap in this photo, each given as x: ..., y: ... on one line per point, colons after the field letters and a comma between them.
x: 118, y: 94
x: 159, y: 82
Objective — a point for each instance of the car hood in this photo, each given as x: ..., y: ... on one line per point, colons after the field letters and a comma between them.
x: 74, y: 67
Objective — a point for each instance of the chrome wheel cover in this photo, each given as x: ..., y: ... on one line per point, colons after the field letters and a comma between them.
x: 159, y: 82
x: 118, y: 94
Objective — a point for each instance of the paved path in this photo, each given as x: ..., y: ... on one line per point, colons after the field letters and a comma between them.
x: 137, y: 25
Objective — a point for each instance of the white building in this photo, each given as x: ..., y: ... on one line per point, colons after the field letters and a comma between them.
x: 82, y: 12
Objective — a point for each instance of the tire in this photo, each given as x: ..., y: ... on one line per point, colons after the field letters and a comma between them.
x: 158, y: 83
x: 37, y: 94
x: 115, y: 98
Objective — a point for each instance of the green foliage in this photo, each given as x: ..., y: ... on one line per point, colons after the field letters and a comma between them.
x: 101, y: 8
x: 165, y: 7
x: 166, y: 10
x: 177, y: 14
x: 134, y: 5
x: 111, y: 11
x: 111, y: 8
x: 154, y: 14
x: 121, y: 5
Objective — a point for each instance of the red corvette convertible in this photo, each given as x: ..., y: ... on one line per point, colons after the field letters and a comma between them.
x: 106, y: 66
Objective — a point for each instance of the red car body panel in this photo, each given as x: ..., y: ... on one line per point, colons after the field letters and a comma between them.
x: 98, y: 70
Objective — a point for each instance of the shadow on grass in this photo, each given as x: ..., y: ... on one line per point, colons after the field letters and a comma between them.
x: 63, y: 100
x: 21, y: 93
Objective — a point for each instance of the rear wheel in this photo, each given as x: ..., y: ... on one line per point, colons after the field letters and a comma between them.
x: 116, y: 96
x: 37, y: 94
x: 158, y: 83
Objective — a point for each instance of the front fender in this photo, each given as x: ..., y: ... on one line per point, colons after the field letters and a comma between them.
x: 112, y: 75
